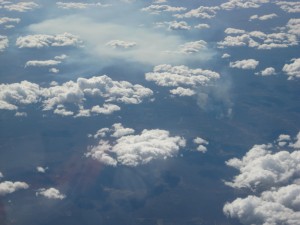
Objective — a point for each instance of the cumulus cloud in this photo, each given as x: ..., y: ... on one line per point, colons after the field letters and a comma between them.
x: 3, y: 43
x: 21, y: 6
x: 263, y: 17
x: 41, y: 169
x: 182, y: 91
x: 202, y: 143
x: 121, y: 44
x: 50, y: 193
x: 289, y: 6
x: 246, y: 64
x: 202, y: 26
x: 174, y: 76
x: 4, y: 20
x: 134, y: 150
x: 287, y: 36
x: 79, y: 5
x: 267, y: 72
x: 292, y: 69
x: 242, y: 4
x: 272, y: 173
x: 192, y: 47
x: 8, y: 187
x: 203, y: 12
x: 43, y: 40
x: 58, y: 97
x: 41, y: 63
x: 157, y: 9
x: 120, y: 131
x: 225, y: 56
x: 179, y: 25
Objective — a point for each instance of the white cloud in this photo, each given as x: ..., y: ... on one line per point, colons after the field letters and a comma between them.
x: 54, y: 70
x: 21, y: 6
x: 192, y: 47
x: 20, y: 114
x: 134, y: 150
x: 106, y: 109
x: 202, y: 26
x: 246, y: 64
x: 41, y: 63
x: 289, y: 6
x: 79, y: 5
x: 263, y: 17
x: 242, y: 4
x: 201, y: 144
x: 1, y: 175
x: 225, y: 56
x: 288, y: 36
x: 179, y: 25
x: 41, y: 169
x: 3, y: 43
x: 4, y: 20
x: 51, y: 193
x: 58, y: 97
x: 159, y: 1
x: 273, y: 177
x: 174, y: 76
x: 121, y: 44
x: 234, y: 31
x: 43, y: 40
x: 8, y: 187
x: 267, y: 72
x: 292, y: 69
x: 120, y: 131
x: 157, y: 9
x: 182, y: 91
x: 202, y: 12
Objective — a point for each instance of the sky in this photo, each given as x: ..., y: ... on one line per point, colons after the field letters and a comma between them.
x: 150, y: 112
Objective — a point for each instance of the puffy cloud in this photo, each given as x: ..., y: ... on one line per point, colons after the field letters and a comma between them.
x: 242, y: 4
x: 264, y: 17
x: 156, y: 9
x: 292, y: 69
x: 58, y: 97
x: 288, y: 36
x: 8, y: 187
x: 41, y: 63
x: 134, y: 150
x: 267, y: 72
x: 246, y: 64
x: 21, y: 6
x: 43, y: 40
x: 201, y: 144
x: 181, y: 25
x: 203, y: 12
x: 41, y: 169
x: 225, y: 56
x: 20, y: 114
x: 106, y: 109
x: 79, y: 5
x: 13, y: 95
x: 192, y: 47
x: 174, y: 76
x: 120, y: 131
x: 5, y: 20
x: 182, y: 91
x: 51, y: 193
x: 121, y: 44
x: 274, y: 179
x: 54, y: 70
x: 3, y: 43
x: 234, y: 31
x: 202, y: 26
x: 289, y: 6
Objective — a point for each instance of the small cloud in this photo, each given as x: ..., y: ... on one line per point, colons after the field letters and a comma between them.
x: 50, y: 193
x: 8, y: 187
x: 41, y: 169
x: 267, y: 72
x: 246, y: 64
x: 121, y: 44
x: 292, y: 69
